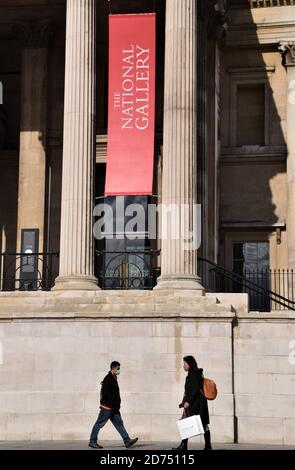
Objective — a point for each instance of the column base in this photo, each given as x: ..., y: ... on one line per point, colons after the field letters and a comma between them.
x: 181, y: 283
x: 76, y: 283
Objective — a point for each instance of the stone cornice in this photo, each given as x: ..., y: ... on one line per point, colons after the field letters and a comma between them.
x: 260, y: 34
x: 270, y: 3
x: 253, y: 4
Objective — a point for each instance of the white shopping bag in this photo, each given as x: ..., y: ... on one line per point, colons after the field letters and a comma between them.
x: 189, y: 427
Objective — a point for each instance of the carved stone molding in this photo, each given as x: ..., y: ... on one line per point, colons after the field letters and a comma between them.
x: 35, y: 35
x: 287, y: 49
x: 217, y: 19
x: 270, y: 3
x: 240, y: 4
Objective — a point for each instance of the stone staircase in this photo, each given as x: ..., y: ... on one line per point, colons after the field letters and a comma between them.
x: 103, y: 304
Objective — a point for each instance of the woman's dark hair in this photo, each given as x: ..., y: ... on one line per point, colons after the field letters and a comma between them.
x: 115, y: 364
x: 191, y: 361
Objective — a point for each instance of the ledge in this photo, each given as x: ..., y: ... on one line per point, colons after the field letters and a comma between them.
x: 157, y: 304
x: 253, y: 225
x: 275, y: 316
x: 133, y: 305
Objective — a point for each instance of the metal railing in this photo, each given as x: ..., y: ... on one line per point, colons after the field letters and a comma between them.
x: 127, y: 270
x: 26, y: 271
x: 268, y: 289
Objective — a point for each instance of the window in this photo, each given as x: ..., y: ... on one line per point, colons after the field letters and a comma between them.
x: 251, y: 114
x: 250, y: 256
x: 249, y: 119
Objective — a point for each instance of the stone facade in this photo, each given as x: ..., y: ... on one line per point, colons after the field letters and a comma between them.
x: 237, y: 69
x: 242, y: 188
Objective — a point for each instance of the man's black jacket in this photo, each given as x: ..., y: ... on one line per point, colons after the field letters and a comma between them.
x: 110, y: 392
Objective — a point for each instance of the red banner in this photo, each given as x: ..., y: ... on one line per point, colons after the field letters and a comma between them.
x: 131, y: 120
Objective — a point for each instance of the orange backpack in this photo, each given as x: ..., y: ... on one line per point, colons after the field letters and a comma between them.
x: 209, y: 389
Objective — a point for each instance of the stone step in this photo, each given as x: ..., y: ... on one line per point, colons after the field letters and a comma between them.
x: 108, y: 309
x: 110, y: 302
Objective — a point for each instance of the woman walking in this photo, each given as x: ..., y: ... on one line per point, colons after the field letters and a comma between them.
x: 194, y: 402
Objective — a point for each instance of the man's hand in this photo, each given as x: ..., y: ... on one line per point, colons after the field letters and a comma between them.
x: 186, y: 405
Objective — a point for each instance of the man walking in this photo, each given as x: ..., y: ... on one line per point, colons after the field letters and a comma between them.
x: 110, y: 402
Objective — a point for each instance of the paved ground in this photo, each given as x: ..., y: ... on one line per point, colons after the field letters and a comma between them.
x: 82, y: 445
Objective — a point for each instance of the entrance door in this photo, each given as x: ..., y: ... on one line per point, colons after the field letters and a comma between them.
x: 124, y: 261
x: 251, y: 260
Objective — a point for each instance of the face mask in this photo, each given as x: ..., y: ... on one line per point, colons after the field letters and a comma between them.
x: 117, y: 372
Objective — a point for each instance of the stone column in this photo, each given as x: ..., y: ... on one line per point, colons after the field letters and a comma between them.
x: 76, y: 240
x: 32, y: 154
x: 178, y: 262
x: 288, y: 52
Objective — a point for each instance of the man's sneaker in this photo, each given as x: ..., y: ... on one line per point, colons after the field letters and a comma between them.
x: 131, y: 442
x: 95, y: 445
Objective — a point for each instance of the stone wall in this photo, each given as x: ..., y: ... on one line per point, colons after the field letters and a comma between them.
x: 265, y: 379
x: 51, y: 371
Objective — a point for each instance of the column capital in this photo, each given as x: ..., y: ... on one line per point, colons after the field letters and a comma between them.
x: 34, y: 35
x: 217, y: 19
x: 287, y: 50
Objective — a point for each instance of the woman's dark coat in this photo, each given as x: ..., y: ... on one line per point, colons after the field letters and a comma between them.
x: 194, y: 396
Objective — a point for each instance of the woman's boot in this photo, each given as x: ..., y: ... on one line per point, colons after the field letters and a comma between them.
x: 207, y: 437
x: 182, y: 446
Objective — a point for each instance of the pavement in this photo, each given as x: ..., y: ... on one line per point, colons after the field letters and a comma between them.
x: 116, y: 445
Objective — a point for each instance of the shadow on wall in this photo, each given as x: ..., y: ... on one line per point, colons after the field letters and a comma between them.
x: 10, y: 67
x: 21, y: 33
x: 253, y: 185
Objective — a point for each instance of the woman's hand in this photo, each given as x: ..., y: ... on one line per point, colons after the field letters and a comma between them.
x: 186, y: 405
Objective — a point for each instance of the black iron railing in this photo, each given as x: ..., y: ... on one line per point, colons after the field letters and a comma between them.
x: 124, y: 270
x: 27, y: 271
x: 268, y: 289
